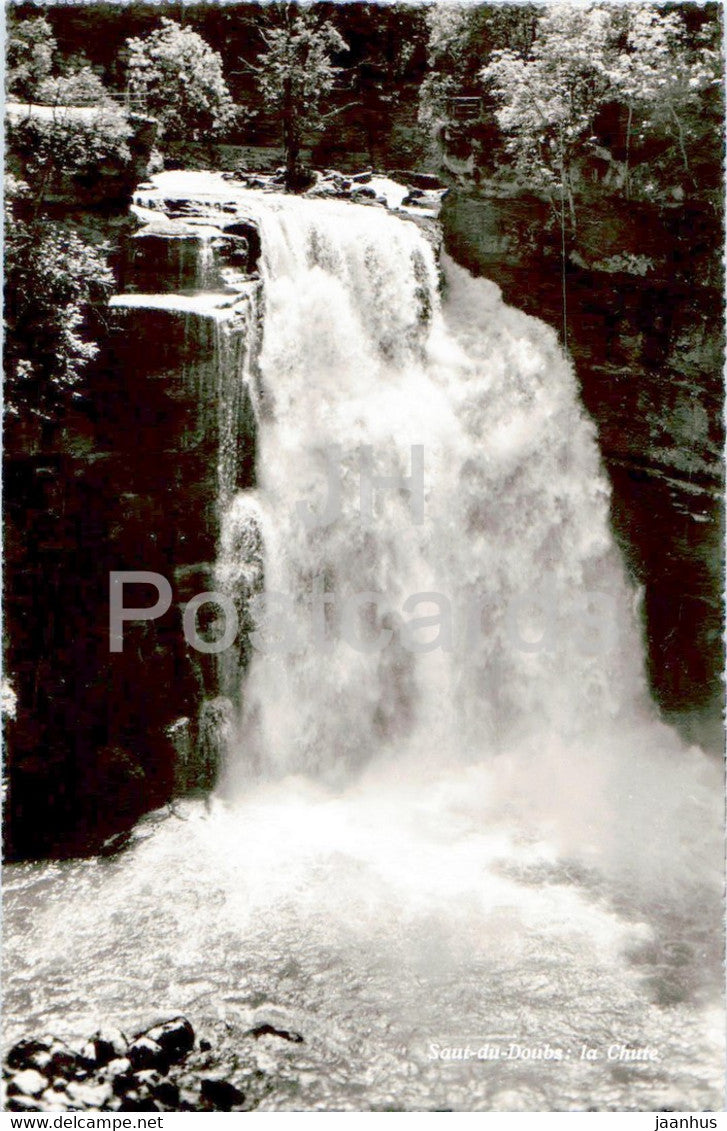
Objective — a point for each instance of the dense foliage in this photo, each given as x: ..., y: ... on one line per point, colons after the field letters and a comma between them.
x: 625, y: 98
x: 36, y: 71
x: 73, y: 132
x: 459, y: 37
x: 178, y: 78
x: 53, y: 282
x: 79, y: 86
x: 29, y: 52
x: 635, y: 61
x: 69, y: 148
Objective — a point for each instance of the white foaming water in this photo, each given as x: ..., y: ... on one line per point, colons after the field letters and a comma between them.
x: 483, y: 843
x: 359, y: 351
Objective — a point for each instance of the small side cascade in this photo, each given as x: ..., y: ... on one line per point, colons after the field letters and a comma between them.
x: 240, y: 574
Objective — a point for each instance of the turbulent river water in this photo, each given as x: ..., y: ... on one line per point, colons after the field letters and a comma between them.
x: 449, y: 815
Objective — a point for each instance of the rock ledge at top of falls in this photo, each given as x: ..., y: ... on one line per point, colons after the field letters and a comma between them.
x: 414, y: 195
x: 197, y: 198
x: 406, y: 196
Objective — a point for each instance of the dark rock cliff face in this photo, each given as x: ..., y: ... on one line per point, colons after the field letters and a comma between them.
x: 645, y: 331
x: 131, y: 483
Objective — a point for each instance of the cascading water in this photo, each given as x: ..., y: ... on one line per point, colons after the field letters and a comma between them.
x: 471, y: 830
x: 536, y: 658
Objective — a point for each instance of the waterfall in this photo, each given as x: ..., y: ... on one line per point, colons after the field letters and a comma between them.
x: 449, y: 813
x: 478, y: 614
x: 358, y: 350
x: 535, y: 660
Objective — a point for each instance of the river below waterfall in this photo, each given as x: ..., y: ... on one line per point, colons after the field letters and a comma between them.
x: 376, y: 923
x: 414, y: 850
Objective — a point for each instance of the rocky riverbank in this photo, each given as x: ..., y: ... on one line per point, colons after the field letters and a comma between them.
x: 167, y: 1067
